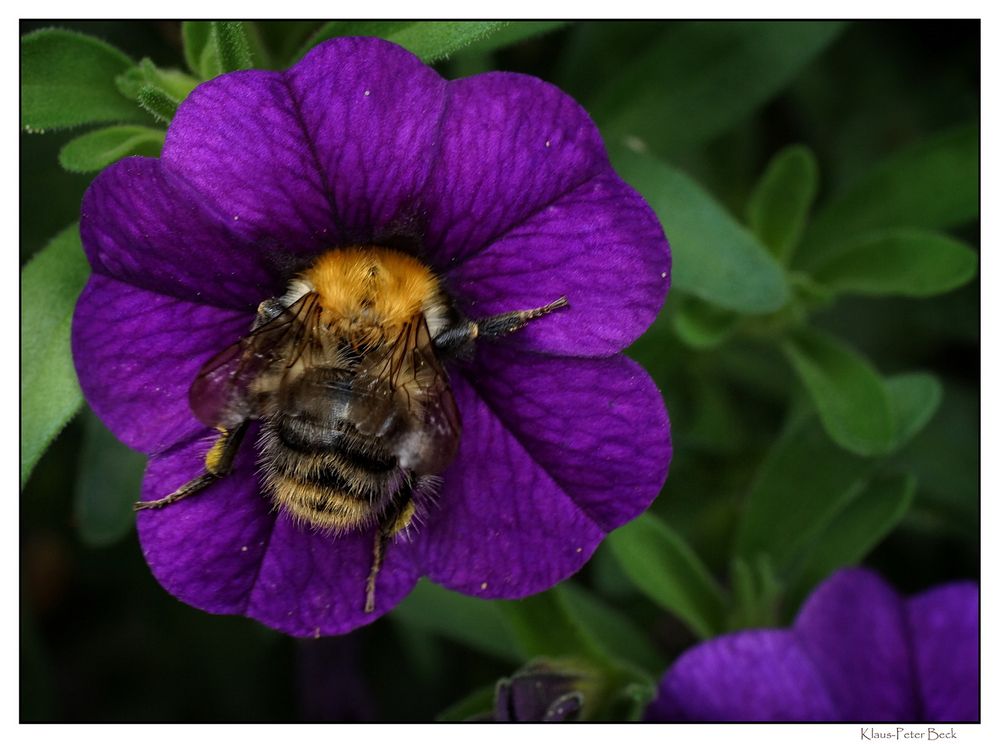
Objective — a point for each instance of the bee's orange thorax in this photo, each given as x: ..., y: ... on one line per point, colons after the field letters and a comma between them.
x: 361, y: 287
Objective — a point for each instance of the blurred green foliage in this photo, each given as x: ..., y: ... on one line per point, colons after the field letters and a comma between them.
x: 818, y: 355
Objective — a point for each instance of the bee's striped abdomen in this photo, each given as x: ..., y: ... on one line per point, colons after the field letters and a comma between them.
x: 330, y: 477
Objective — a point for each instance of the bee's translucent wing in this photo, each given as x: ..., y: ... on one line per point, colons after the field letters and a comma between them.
x: 222, y: 395
x: 403, y: 397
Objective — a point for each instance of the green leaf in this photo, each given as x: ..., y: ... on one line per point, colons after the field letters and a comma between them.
x: 230, y: 38
x: 714, y: 257
x: 93, y: 151
x: 200, y: 50
x: 68, y: 79
x: 174, y: 83
x: 780, y: 203
x: 107, y: 484
x: 849, y: 394
x: 50, y: 393
x: 473, y: 622
x: 756, y: 593
x: 945, y: 457
x: 542, y: 625
x: 477, y: 703
x: 913, y: 263
x: 630, y: 703
x: 281, y: 39
x: 513, y: 33
x: 429, y: 40
x: 855, y: 530
x: 934, y: 185
x: 702, y: 325
x: 802, y: 484
x: 668, y: 571
x: 914, y: 399
x: 699, y: 79
x: 157, y: 102
x: 613, y: 631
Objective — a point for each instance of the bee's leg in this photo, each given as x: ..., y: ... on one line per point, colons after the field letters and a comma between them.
x: 395, y: 521
x: 218, y: 463
x: 454, y: 340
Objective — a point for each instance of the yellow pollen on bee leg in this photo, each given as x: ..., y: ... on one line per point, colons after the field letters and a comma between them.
x: 404, y: 519
x: 213, y: 458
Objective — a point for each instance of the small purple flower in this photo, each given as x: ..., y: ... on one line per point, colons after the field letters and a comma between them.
x: 857, y: 652
x: 543, y: 691
x: 501, y: 184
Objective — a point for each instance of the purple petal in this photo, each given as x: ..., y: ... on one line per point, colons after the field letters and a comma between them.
x: 226, y: 550
x: 137, y: 352
x: 206, y: 549
x: 597, y: 427
x: 144, y: 225
x: 510, y: 145
x: 502, y: 527
x: 600, y: 246
x: 312, y: 583
x: 755, y: 675
x: 372, y: 112
x: 239, y: 140
x: 853, y: 628
x: 944, y: 628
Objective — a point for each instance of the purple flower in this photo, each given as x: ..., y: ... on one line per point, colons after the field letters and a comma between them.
x: 501, y: 184
x: 857, y: 652
x: 543, y: 691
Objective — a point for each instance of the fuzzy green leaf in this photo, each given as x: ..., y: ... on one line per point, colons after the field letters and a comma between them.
x: 230, y: 38
x: 95, y: 150
x: 714, y: 257
x: 848, y: 392
x: 512, y: 33
x: 429, y: 40
x: 913, y: 263
x: 700, y: 78
x: 200, y: 51
x: 670, y: 573
x: 933, y: 185
x: 68, y: 79
x: 108, y: 482
x: 50, y: 393
x: 158, y: 102
x: 174, y: 83
x: 780, y: 203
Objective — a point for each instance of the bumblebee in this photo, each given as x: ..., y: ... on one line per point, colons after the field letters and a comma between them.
x: 345, y: 373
